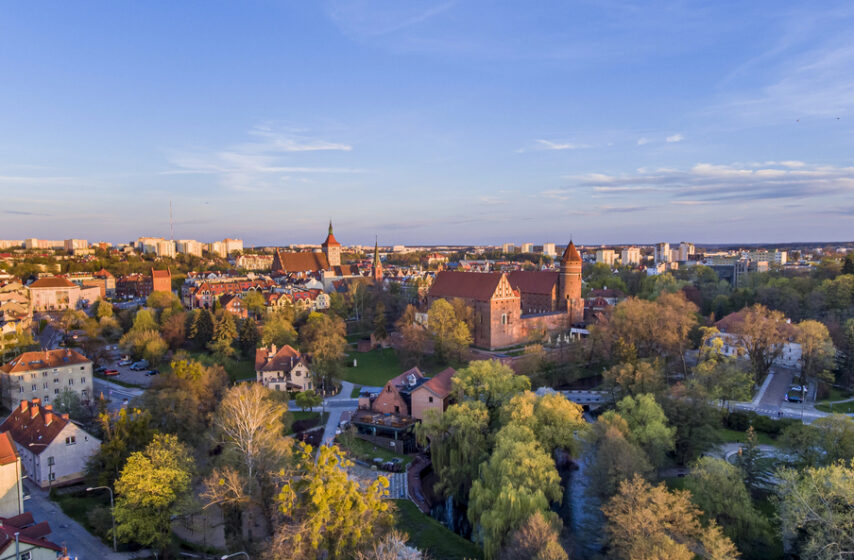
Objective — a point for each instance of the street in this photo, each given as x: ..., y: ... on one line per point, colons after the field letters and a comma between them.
x: 67, y: 532
x: 115, y: 394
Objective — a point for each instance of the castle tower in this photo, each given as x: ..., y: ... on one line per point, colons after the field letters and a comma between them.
x: 332, y: 249
x: 377, y: 267
x: 569, y: 292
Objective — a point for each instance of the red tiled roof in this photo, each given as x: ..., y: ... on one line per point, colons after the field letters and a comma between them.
x: 28, y: 532
x: 8, y: 454
x: 161, y: 273
x: 401, y: 379
x: 533, y: 281
x: 30, y: 422
x: 283, y: 360
x: 44, y: 359
x: 299, y: 262
x: 103, y: 273
x: 53, y: 282
x: 571, y: 254
x: 440, y: 384
x: 467, y: 285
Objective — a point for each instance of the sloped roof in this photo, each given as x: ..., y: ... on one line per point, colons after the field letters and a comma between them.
x: 533, y: 281
x: 53, y: 282
x: 44, y: 359
x: 467, y: 285
x: 27, y: 530
x: 283, y: 360
x: 440, y: 384
x: 299, y: 262
x: 570, y: 254
x: 8, y: 454
x: 161, y: 273
x: 401, y: 379
x: 30, y: 422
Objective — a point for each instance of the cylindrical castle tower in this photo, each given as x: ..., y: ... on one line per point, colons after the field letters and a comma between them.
x: 570, y: 284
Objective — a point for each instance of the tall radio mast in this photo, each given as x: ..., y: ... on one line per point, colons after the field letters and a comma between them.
x: 171, y: 224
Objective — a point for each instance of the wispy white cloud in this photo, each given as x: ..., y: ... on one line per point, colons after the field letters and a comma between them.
x: 675, y: 138
x: 541, y: 144
x: 265, y: 162
x: 643, y: 140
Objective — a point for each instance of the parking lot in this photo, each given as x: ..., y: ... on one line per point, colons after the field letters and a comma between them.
x: 127, y: 375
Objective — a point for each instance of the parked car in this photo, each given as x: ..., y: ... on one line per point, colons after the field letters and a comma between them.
x: 124, y: 362
x: 152, y: 372
x: 140, y: 365
x: 101, y: 369
x: 111, y: 372
x: 796, y: 394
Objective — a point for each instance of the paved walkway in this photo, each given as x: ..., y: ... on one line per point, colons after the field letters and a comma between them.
x: 66, y: 532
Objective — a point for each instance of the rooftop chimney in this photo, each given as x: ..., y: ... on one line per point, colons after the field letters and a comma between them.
x: 24, y: 406
x: 64, y: 416
x: 48, y: 407
x: 48, y: 418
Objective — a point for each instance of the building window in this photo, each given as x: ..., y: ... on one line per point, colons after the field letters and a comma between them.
x: 56, y: 391
x: 34, y: 387
x: 44, y: 374
x: 82, y: 367
x: 71, y: 382
x: 70, y: 440
x: 429, y: 399
x: 45, y: 385
x: 26, y: 555
x: 82, y: 380
x: 21, y: 389
x: 504, y: 318
x: 56, y: 380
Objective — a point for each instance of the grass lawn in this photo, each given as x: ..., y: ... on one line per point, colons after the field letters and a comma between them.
x: 354, y: 394
x: 425, y: 533
x: 78, y: 505
x: 374, y: 368
x: 837, y: 394
x: 845, y: 408
x: 300, y: 415
x: 366, y: 451
x: 733, y: 436
x: 675, y: 482
x: 236, y: 369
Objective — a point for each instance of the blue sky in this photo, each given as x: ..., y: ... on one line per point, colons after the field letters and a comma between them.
x: 428, y: 122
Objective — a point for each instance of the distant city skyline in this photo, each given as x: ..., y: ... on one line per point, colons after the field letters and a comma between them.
x: 428, y: 122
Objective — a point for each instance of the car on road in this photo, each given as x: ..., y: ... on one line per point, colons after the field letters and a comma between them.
x: 139, y: 366
x: 110, y: 372
x: 124, y: 362
x: 796, y: 394
x: 100, y: 369
x: 152, y: 372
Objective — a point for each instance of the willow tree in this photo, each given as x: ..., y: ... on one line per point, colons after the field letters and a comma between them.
x: 519, y: 479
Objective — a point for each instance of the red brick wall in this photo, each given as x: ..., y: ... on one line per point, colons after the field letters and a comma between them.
x: 388, y: 399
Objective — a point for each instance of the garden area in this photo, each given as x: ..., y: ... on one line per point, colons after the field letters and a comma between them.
x: 425, y: 533
x: 367, y: 451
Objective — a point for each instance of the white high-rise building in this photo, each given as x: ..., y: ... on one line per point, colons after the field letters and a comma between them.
x: 527, y: 247
x: 189, y: 247
x: 606, y: 256
x: 662, y: 252
x: 685, y: 249
x: 549, y: 249
x: 232, y: 245
x: 630, y: 256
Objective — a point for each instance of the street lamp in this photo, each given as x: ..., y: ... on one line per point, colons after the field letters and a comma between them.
x: 49, y: 465
x: 112, y: 511
x: 235, y: 555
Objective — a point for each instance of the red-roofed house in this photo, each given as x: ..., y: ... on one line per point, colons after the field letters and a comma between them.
x: 161, y: 280
x: 433, y: 394
x: 11, y: 486
x: 284, y: 369
x: 57, y: 293
x: 53, y: 449
x: 21, y: 538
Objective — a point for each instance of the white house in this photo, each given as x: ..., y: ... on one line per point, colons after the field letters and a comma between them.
x: 53, y: 449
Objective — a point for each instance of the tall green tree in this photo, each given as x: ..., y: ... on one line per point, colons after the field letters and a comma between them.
x: 122, y: 433
x: 490, y: 382
x: 451, y: 335
x: 519, y: 479
x: 323, y: 336
x: 224, y: 335
x: 555, y: 421
x: 380, y: 321
x: 817, y: 510
x: 817, y: 351
x: 278, y: 330
x: 647, y: 426
x: 718, y: 490
x: 459, y: 443
x: 328, y: 514
x: 537, y: 539
x: 153, y: 487
x: 249, y: 337
x: 144, y: 321
x: 634, y: 378
x: 762, y: 332
x: 201, y: 329
x: 254, y: 302
x: 747, y: 460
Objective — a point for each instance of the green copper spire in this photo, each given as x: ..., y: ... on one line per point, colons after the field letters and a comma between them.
x: 330, y: 227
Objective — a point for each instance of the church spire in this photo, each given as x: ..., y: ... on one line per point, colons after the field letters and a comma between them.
x: 376, y: 251
x: 330, y: 226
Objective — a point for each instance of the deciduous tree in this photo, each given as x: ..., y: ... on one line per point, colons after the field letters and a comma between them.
x: 537, y: 539
x: 490, y: 382
x: 762, y: 332
x: 451, y: 336
x: 323, y: 336
x: 278, y: 330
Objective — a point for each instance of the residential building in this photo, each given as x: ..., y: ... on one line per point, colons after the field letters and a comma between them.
x: 234, y: 305
x: 189, y: 247
x: 33, y: 243
x: 254, y: 262
x: 156, y: 245
x: 161, y: 280
x: 630, y: 256
x: 11, y: 483
x: 232, y: 245
x: 685, y: 251
x: 433, y: 394
x: 662, y: 253
x: 44, y: 375
x: 56, y: 294
x: 11, y: 243
x: 53, y: 449
x: 527, y: 247
x: 549, y: 249
x: 508, y: 248
x: 283, y: 369
x: 217, y: 248
x: 771, y: 257
x: 21, y: 538
x: 72, y: 245
x: 606, y: 256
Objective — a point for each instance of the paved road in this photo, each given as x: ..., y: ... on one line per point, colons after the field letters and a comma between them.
x: 776, y: 391
x: 67, y: 532
x: 116, y: 394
